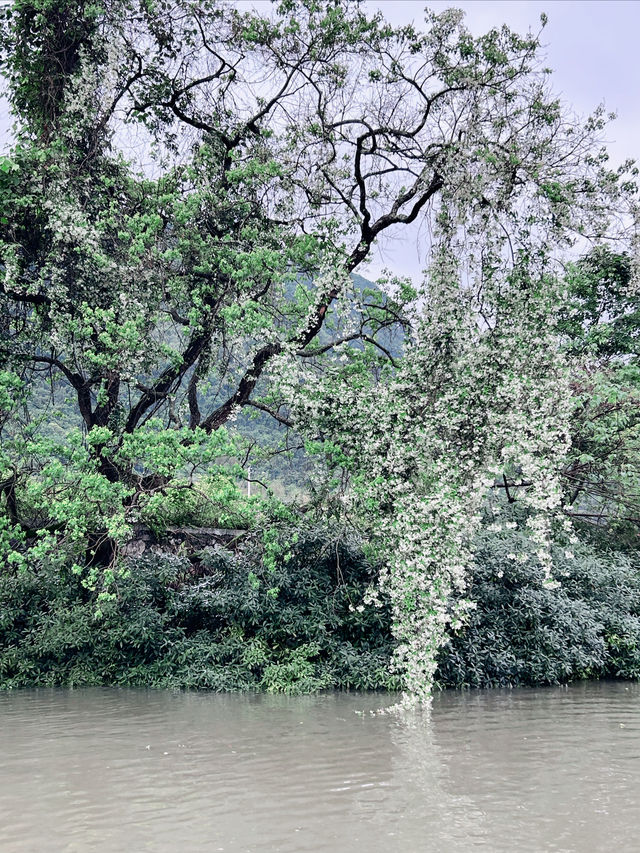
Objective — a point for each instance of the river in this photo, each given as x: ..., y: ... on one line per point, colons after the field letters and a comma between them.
x: 124, y: 771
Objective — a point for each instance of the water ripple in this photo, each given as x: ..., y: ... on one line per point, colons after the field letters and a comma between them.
x: 134, y: 770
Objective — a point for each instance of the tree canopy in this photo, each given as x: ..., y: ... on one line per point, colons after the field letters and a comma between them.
x: 192, y: 187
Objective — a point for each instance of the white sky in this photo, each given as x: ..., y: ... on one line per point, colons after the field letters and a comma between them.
x: 593, y: 47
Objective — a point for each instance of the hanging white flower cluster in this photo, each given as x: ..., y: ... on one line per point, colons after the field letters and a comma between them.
x: 469, y: 401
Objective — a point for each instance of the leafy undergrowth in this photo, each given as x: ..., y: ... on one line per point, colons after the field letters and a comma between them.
x: 239, y: 621
x: 289, y: 616
x: 525, y: 632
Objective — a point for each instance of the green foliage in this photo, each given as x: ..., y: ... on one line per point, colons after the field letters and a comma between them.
x: 166, y: 296
x: 601, y: 316
x: 286, y: 613
x: 600, y: 328
x: 526, y: 632
x: 214, y: 501
x: 60, y: 495
x: 43, y: 48
x: 602, y: 470
x: 226, y: 622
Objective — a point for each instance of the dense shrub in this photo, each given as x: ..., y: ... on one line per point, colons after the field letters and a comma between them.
x: 293, y: 622
x: 291, y: 619
x: 523, y: 632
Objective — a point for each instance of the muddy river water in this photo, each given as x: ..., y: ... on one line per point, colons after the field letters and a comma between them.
x: 124, y: 771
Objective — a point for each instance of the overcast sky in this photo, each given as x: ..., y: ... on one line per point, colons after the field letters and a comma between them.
x: 593, y: 47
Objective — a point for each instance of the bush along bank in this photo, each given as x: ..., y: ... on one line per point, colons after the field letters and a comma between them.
x: 523, y: 632
x: 243, y: 620
x: 293, y: 619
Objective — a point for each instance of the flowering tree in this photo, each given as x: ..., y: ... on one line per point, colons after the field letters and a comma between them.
x: 422, y: 443
x: 207, y: 268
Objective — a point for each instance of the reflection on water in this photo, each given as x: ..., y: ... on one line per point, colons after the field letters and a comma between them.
x: 126, y: 770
